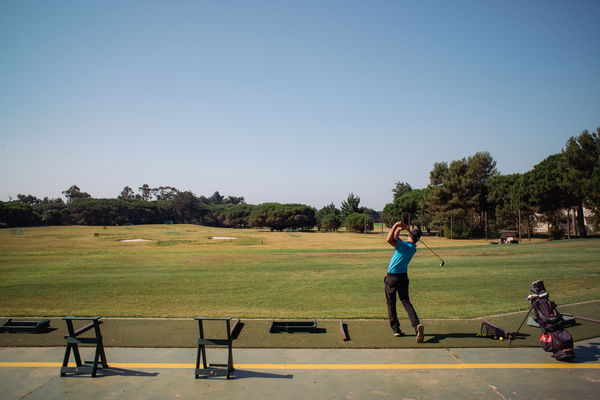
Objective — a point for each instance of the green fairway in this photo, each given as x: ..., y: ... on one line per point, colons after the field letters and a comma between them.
x: 179, y: 271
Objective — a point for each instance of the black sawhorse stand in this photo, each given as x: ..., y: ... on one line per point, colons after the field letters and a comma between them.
x: 213, y: 369
x: 73, y: 341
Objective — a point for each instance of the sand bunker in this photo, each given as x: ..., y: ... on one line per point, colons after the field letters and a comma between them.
x: 134, y: 240
x: 223, y: 238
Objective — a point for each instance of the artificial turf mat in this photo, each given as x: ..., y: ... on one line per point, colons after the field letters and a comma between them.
x: 254, y: 333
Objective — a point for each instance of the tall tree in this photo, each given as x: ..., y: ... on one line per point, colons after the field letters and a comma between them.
x: 28, y: 199
x: 216, y: 198
x: 549, y: 191
x: 520, y: 202
x: 593, y: 197
x: 188, y: 207
x: 400, y: 189
x: 582, y: 158
x: 47, y: 200
x: 164, y: 193
x: 126, y: 194
x: 504, y: 211
x: 351, y: 205
x: 145, y: 192
x: 74, y: 193
x: 438, y: 174
x: 409, y: 208
x: 482, y: 167
x: 448, y: 199
x: 458, y: 192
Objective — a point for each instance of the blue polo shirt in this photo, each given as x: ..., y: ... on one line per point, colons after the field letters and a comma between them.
x: 402, y: 256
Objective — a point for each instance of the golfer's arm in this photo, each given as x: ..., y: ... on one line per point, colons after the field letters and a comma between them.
x: 392, y: 237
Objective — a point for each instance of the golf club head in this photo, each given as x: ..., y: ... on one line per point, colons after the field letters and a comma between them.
x: 442, y: 263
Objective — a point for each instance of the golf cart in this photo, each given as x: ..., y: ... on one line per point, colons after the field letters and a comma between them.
x: 509, y: 237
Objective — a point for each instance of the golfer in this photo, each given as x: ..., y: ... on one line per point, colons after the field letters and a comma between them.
x: 396, y: 280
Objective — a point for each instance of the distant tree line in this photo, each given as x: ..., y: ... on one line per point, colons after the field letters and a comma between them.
x: 464, y: 198
x: 470, y: 198
x: 168, y: 204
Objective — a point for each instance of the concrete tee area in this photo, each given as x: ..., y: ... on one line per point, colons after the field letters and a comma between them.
x: 144, y: 373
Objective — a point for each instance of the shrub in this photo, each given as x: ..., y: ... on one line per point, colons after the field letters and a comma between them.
x: 331, y: 223
x: 358, y: 222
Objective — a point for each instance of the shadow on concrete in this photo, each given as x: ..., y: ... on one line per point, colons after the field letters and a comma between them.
x: 243, y: 374
x: 587, y: 353
x: 110, y: 371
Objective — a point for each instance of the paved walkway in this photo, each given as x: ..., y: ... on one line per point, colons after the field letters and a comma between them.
x: 33, y: 373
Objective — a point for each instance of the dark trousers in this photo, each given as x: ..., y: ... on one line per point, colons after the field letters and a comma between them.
x: 398, y: 283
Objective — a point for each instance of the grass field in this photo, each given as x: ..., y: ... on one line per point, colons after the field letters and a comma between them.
x: 181, y: 272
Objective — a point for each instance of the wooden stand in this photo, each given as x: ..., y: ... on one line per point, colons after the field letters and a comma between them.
x: 73, y: 342
x: 214, y: 369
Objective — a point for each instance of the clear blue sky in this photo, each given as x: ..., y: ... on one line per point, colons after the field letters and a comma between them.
x: 286, y: 101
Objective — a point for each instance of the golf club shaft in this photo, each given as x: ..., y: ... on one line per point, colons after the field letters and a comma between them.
x: 514, y: 335
x: 430, y: 249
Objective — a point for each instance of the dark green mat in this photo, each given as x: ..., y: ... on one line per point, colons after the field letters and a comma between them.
x: 362, y: 333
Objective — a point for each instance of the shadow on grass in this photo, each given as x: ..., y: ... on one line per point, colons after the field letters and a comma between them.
x: 472, y: 337
x: 237, y: 329
x: 41, y: 331
x: 345, y: 333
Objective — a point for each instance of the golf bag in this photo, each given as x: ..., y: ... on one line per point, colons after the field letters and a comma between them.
x: 554, y: 338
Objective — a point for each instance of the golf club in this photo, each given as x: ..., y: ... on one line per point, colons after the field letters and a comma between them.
x: 442, y: 262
